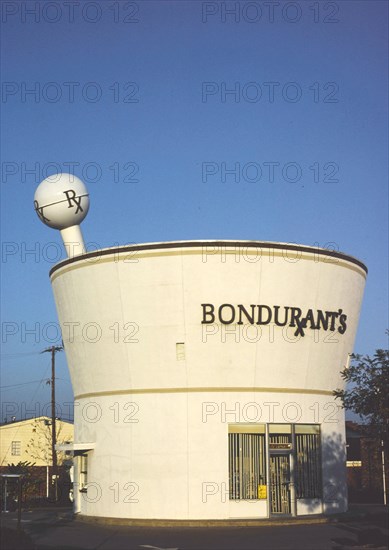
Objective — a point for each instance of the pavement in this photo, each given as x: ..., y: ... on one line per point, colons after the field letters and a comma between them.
x: 363, y: 527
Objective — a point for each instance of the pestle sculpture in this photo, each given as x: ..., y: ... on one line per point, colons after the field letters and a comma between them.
x: 62, y: 201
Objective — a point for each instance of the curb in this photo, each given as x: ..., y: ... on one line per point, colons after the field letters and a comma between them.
x: 265, y: 522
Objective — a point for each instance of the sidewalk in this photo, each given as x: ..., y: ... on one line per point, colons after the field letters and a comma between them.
x: 362, y: 527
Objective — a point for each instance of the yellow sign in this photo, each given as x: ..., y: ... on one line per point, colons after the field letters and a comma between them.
x: 262, y: 491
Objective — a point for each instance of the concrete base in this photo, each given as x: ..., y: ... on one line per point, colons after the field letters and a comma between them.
x: 202, y: 523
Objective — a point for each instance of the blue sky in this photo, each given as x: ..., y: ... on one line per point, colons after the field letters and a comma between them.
x: 151, y: 104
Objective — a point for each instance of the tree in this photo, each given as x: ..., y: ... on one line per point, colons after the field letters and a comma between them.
x: 39, y: 447
x: 367, y: 394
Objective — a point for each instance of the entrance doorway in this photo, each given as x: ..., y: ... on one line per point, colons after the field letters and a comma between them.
x: 276, y: 463
x: 280, y: 484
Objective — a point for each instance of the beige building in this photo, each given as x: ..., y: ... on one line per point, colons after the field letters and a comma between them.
x: 30, y: 440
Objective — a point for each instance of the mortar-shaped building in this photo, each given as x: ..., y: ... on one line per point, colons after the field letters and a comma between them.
x: 203, y: 374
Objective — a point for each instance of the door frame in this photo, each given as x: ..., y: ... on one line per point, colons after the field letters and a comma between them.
x: 292, y: 492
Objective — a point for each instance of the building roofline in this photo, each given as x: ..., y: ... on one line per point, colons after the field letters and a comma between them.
x: 42, y: 417
x: 214, y: 243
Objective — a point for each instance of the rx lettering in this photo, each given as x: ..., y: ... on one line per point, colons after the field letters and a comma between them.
x: 73, y: 200
x: 39, y: 211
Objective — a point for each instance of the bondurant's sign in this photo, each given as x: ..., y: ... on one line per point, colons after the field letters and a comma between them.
x: 281, y: 316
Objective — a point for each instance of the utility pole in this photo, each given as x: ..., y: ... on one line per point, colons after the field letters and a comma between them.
x: 53, y: 350
x: 383, y: 470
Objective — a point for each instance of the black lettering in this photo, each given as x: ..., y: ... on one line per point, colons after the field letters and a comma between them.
x: 333, y: 315
x: 39, y: 211
x: 260, y: 320
x: 301, y: 324
x: 72, y: 198
x: 249, y: 317
x: 325, y: 320
x: 342, y: 321
x: 295, y: 316
x: 208, y: 313
x: 223, y: 306
x: 310, y: 318
x: 276, y: 320
x: 322, y: 322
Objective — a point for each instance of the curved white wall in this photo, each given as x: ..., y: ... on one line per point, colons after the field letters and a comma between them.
x: 153, y: 384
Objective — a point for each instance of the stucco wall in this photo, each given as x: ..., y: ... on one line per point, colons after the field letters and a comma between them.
x: 145, y: 369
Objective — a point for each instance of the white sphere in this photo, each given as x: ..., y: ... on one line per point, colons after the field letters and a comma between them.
x: 61, y: 201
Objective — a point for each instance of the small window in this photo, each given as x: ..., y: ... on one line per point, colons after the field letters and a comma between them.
x: 180, y: 351
x: 83, y: 472
x: 15, y: 448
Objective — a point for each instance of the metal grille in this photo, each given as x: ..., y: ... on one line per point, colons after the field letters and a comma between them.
x: 277, y: 438
x: 308, y: 466
x: 280, y: 484
x: 247, y: 465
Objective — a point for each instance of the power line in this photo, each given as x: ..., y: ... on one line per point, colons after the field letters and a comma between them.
x: 10, y: 386
x: 18, y: 354
x: 21, y: 384
x: 38, y: 386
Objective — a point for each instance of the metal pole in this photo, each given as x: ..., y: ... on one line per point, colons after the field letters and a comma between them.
x: 383, y: 470
x: 53, y: 350
x: 5, y: 494
x: 20, y: 481
x: 53, y: 427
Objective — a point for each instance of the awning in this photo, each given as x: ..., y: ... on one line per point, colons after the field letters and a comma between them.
x: 76, y: 448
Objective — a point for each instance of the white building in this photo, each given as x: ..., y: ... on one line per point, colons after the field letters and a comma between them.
x: 203, y: 375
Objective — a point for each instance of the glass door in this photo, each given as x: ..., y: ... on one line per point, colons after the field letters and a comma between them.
x: 280, y: 484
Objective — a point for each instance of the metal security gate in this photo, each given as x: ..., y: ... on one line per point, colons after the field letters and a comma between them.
x: 277, y: 463
x: 247, y: 465
x: 280, y: 484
